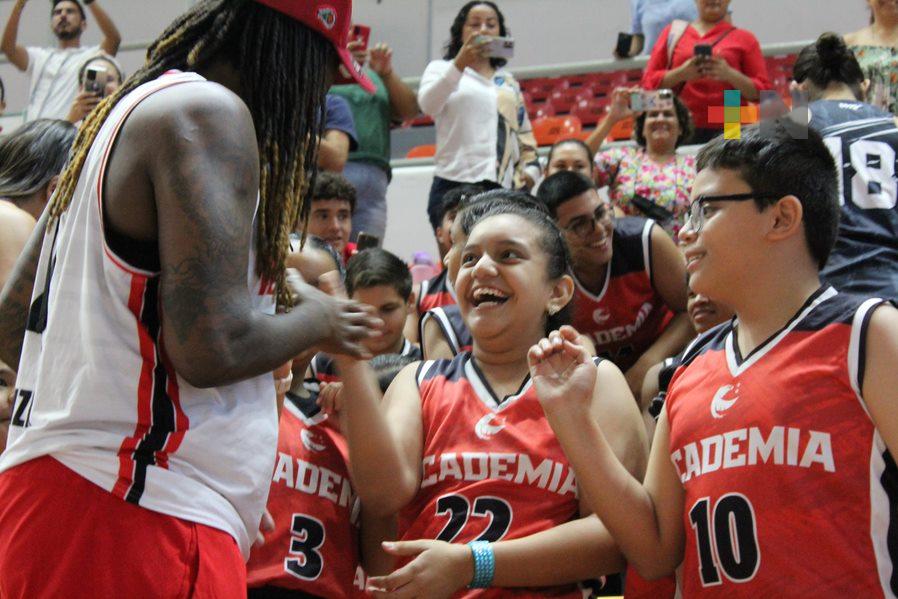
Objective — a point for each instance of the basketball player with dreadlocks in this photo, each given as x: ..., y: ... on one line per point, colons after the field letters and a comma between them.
x: 144, y: 426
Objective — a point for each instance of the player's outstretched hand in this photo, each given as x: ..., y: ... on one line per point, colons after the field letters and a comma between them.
x: 348, y: 323
x: 563, y: 373
x: 438, y: 570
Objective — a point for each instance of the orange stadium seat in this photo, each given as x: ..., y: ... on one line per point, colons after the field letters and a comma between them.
x: 622, y: 130
x: 548, y: 130
x: 422, y: 151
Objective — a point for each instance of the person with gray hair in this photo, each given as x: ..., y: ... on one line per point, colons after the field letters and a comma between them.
x: 30, y: 160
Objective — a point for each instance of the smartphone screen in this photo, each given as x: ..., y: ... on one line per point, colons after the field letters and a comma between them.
x: 624, y: 42
x: 703, y: 50
x: 367, y: 241
x: 361, y: 33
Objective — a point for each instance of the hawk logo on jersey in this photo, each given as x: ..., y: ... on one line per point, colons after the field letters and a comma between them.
x: 310, y: 440
x: 601, y: 316
x: 488, y: 426
x: 720, y: 403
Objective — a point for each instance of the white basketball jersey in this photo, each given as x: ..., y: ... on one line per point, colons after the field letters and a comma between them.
x: 98, y: 393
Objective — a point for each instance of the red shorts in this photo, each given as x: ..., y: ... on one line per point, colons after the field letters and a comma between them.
x: 63, y: 536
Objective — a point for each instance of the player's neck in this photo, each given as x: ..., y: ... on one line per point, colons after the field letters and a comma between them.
x: 223, y: 73
x: 504, y: 370
x: 839, y: 91
x: 592, y: 278
x: 771, y: 305
x: 885, y: 31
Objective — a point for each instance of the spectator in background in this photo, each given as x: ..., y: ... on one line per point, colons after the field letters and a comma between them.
x: 368, y: 167
x: 54, y: 71
x: 482, y: 127
x: 876, y: 49
x: 30, y: 162
x: 629, y: 278
x: 109, y: 82
x: 339, y: 135
x: 570, y: 155
x: 864, y: 260
x: 330, y: 216
x: 650, y: 17
x: 735, y: 62
x: 650, y: 179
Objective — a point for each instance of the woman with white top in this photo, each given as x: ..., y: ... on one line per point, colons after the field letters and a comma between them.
x: 482, y: 128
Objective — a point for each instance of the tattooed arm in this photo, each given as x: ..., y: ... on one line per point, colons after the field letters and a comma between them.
x: 15, y: 298
x: 202, y: 166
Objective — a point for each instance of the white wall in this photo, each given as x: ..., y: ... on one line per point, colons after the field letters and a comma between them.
x: 547, y: 32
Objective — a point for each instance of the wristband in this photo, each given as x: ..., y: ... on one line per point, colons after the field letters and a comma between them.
x: 484, y: 564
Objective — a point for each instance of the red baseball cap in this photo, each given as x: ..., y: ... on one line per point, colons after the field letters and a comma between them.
x: 332, y: 19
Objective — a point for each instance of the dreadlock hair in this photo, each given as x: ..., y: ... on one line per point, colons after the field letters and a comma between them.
x: 284, y: 73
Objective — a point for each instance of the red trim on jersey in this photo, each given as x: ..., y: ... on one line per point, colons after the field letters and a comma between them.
x: 144, y: 390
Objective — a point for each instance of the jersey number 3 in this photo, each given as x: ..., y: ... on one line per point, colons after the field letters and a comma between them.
x: 460, y: 511
x: 308, y: 537
x: 726, y: 538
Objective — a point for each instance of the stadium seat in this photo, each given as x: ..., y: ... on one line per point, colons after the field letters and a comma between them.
x: 548, y: 130
x: 623, y: 130
x: 590, y: 111
x: 422, y: 151
x: 541, y: 111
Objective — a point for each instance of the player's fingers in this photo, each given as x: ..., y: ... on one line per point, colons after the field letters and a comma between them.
x: 569, y: 332
x: 407, y: 547
x: 535, y: 355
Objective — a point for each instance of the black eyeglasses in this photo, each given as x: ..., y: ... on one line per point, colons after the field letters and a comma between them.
x: 583, y: 226
x: 695, y: 219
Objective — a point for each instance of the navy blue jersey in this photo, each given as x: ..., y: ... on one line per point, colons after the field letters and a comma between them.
x: 324, y: 370
x: 863, y: 140
x: 453, y: 328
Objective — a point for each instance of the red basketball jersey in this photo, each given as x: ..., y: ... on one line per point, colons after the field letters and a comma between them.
x: 491, y: 469
x: 627, y: 315
x: 314, y: 547
x: 435, y: 293
x: 789, y: 488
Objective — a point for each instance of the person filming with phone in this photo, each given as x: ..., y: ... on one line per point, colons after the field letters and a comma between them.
x: 702, y: 59
x: 482, y: 129
x: 99, y: 77
x: 649, y: 179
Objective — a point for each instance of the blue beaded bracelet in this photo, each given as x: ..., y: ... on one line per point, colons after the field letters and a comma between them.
x: 484, y: 564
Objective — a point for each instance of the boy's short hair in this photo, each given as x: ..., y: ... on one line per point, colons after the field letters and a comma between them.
x: 387, y: 366
x: 53, y: 4
x: 453, y: 197
x: 333, y: 186
x: 374, y: 267
x: 773, y: 162
x: 561, y: 187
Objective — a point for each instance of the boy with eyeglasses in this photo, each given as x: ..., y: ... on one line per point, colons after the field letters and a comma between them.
x: 630, y: 295
x: 773, y: 454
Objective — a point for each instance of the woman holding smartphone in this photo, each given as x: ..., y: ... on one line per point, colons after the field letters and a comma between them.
x: 649, y: 179
x: 482, y: 128
x: 702, y: 59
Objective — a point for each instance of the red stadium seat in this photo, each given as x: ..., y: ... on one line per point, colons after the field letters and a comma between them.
x: 622, y: 130
x: 590, y: 111
x: 423, y: 151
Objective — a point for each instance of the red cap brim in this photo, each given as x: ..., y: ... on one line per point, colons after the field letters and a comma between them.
x: 355, y: 71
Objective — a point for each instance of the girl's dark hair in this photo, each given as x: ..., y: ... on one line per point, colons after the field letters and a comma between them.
x: 32, y: 155
x: 284, y: 72
x: 572, y: 141
x: 456, y: 42
x: 829, y: 60
x: 684, y: 118
x: 105, y: 58
x: 551, y: 239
